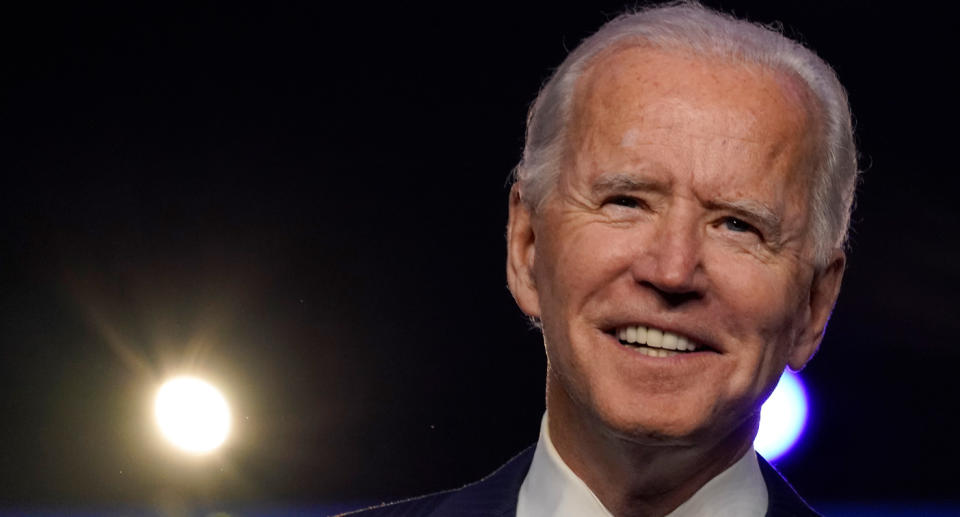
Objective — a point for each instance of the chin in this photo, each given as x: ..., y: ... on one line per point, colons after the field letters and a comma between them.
x: 666, y: 420
x: 654, y: 428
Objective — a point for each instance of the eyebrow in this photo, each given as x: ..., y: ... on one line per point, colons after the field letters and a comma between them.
x: 618, y: 182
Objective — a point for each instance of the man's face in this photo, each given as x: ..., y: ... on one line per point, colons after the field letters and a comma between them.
x: 682, y: 212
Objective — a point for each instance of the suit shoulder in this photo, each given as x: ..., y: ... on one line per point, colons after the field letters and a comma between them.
x: 413, y: 507
x: 494, y: 495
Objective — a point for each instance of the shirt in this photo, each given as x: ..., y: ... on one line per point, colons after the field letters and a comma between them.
x: 551, y: 489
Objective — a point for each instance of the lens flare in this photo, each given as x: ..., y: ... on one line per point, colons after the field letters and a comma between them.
x: 782, y: 418
x: 192, y: 414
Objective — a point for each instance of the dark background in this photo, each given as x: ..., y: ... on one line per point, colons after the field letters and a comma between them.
x: 306, y: 205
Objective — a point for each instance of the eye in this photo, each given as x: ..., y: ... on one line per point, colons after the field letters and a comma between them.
x: 738, y: 225
x: 625, y: 201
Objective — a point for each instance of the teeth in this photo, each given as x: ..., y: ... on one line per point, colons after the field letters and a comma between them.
x: 656, y: 352
x: 669, y: 341
x: 660, y: 343
x: 641, y: 334
x: 654, y: 337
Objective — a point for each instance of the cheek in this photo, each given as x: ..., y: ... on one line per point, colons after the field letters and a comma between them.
x: 767, y: 294
x: 764, y: 309
x: 571, y: 259
x: 757, y: 307
x: 589, y: 265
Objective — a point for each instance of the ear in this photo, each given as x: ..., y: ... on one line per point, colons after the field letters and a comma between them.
x: 824, y: 290
x: 520, y: 255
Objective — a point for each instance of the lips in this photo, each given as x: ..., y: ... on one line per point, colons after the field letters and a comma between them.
x: 654, y: 342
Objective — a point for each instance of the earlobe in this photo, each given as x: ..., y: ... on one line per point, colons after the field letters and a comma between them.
x: 521, y: 254
x: 824, y: 290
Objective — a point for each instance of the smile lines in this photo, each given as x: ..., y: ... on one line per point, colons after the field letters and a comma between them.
x: 654, y: 342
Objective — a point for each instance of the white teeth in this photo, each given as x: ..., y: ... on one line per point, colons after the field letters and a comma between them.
x: 656, y: 352
x: 669, y: 341
x: 641, y: 334
x: 655, y: 338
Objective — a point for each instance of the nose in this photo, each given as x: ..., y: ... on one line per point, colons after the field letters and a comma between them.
x: 671, y: 264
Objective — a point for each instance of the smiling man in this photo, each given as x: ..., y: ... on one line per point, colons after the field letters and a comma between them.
x: 676, y: 230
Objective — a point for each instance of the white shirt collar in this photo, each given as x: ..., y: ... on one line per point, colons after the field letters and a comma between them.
x: 551, y: 489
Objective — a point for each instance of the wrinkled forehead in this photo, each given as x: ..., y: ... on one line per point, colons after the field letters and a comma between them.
x: 627, y: 86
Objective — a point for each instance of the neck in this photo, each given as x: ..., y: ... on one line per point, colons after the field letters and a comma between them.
x: 634, y: 477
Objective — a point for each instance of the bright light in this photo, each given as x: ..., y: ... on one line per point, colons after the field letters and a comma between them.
x: 192, y: 414
x: 782, y: 417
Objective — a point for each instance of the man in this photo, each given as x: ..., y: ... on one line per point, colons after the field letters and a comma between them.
x: 676, y: 230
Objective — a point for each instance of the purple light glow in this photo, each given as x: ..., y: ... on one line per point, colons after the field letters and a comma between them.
x: 782, y: 418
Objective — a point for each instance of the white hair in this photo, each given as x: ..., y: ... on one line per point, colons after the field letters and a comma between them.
x: 693, y: 28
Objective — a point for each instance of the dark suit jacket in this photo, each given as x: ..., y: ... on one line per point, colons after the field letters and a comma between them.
x: 496, y: 496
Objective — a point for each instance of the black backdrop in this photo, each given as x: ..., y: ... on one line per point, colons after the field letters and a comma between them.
x: 305, y: 204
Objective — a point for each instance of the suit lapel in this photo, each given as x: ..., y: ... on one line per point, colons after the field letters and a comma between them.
x: 494, y: 495
x: 783, y: 499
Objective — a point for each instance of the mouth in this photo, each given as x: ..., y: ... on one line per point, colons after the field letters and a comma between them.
x: 654, y: 342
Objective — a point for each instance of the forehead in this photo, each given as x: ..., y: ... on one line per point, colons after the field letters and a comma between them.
x: 622, y: 80
x: 632, y: 95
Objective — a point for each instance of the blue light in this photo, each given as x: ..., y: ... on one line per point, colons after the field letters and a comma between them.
x: 782, y: 417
